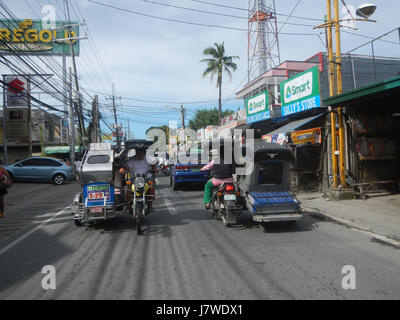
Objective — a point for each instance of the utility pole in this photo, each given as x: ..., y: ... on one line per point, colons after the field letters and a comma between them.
x: 331, y: 93
x: 340, y: 153
x: 5, y: 149
x: 183, y: 117
x: 80, y: 115
x: 28, y: 90
x: 71, y: 124
x: 115, y: 117
x: 183, y: 126
x: 95, y: 121
x: 339, y: 89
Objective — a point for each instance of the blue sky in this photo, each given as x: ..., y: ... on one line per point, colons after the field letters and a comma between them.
x: 153, y: 60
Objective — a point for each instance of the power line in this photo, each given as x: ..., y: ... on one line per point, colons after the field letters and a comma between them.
x: 246, y: 10
x: 187, y: 22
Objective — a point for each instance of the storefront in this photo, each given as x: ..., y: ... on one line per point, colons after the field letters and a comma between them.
x: 305, y: 136
x: 372, y: 118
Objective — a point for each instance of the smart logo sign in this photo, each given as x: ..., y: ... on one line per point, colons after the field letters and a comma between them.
x: 257, y: 108
x: 301, y: 92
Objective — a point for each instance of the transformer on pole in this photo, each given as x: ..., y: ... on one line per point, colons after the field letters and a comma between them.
x: 263, y: 44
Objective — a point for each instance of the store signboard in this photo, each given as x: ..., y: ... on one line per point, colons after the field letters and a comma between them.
x: 33, y: 37
x: 257, y: 107
x: 301, y: 92
x: 17, y: 123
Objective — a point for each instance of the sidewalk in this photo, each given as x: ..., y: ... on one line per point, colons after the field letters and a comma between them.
x: 379, y: 215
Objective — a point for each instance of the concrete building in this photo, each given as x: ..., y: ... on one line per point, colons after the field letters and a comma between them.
x: 46, y: 126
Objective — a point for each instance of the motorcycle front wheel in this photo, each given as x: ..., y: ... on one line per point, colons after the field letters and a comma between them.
x: 139, y: 218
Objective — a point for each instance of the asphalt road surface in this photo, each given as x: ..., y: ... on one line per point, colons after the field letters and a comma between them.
x: 183, y: 253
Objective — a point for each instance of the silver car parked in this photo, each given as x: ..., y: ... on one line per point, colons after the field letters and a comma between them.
x: 40, y: 169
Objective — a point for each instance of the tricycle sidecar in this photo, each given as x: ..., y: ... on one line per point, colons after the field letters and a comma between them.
x: 266, y: 189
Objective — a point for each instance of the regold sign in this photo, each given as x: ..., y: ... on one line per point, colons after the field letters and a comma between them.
x: 301, y: 92
x: 29, y: 36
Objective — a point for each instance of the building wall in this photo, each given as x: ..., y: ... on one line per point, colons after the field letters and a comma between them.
x: 358, y: 71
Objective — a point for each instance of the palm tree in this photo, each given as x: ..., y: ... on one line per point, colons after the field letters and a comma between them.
x: 215, y: 65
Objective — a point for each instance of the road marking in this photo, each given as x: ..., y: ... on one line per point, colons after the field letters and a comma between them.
x: 24, y: 236
x: 170, y: 207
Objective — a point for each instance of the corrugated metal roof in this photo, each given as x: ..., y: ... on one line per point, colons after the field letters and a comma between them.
x: 292, y: 126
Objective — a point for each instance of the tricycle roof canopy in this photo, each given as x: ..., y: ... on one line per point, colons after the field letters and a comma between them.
x: 263, y: 150
x: 138, y: 144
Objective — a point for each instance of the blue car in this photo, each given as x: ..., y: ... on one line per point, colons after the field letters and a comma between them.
x: 40, y: 169
x: 187, y: 173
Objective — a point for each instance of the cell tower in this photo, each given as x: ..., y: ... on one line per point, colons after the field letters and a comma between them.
x: 263, y: 45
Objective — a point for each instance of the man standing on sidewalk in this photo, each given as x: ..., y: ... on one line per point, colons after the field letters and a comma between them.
x: 5, y: 182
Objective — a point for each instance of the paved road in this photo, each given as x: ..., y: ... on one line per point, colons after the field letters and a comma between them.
x: 185, y: 254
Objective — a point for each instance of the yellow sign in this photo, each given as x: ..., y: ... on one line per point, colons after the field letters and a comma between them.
x: 312, y: 136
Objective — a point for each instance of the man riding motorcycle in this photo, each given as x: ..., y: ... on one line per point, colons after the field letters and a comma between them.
x: 138, y: 164
x: 222, y: 173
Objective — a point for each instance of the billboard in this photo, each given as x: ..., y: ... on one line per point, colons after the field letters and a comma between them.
x: 257, y: 107
x: 301, y: 92
x: 29, y: 36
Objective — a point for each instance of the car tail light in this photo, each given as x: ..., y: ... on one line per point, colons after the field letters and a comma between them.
x: 229, y: 188
x: 182, y: 168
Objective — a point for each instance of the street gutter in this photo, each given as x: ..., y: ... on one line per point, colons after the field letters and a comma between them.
x: 375, y: 237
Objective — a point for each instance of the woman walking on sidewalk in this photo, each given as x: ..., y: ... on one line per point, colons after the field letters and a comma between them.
x: 5, y: 182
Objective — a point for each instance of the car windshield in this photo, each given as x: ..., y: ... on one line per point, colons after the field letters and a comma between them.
x: 98, y: 159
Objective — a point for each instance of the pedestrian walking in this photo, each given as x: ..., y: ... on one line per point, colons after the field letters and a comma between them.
x: 5, y: 183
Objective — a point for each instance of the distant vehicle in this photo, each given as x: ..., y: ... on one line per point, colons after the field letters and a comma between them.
x: 40, y: 169
x: 183, y: 174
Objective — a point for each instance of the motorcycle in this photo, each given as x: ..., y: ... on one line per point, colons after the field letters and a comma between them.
x: 139, y: 208
x: 226, y: 203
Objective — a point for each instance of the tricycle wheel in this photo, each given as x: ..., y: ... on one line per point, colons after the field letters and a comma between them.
x: 364, y: 196
x: 78, y: 222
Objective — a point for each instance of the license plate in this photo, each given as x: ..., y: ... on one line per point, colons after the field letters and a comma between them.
x: 96, y: 209
x: 96, y: 195
x: 229, y: 197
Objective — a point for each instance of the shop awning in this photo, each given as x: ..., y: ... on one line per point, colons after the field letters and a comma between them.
x: 61, y: 149
x: 295, y: 125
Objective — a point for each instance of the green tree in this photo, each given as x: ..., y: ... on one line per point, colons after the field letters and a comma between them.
x: 216, y: 65
x: 207, y: 117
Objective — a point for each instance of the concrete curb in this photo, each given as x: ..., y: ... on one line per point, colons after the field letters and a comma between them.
x: 375, y: 237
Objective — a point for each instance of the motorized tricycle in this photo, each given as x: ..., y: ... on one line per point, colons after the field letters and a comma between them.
x: 266, y: 190
x: 105, y: 189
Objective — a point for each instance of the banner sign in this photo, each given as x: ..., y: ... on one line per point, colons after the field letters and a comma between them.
x: 300, y: 92
x: 16, y: 91
x: 17, y: 123
x: 312, y: 136
x: 29, y: 36
x: 257, y: 107
x: 280, y: 138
